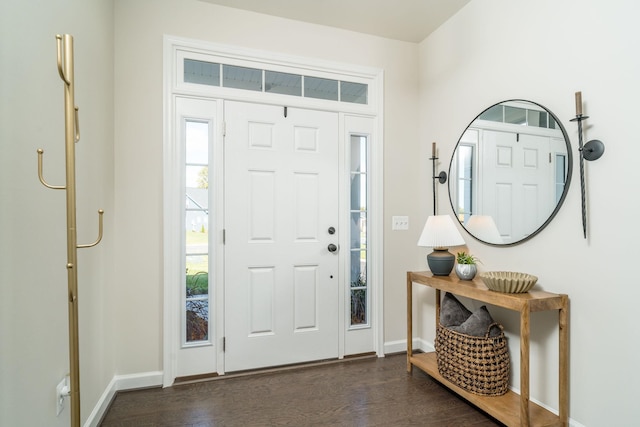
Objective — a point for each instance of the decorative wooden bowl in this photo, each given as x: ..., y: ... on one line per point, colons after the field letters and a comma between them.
x: 508, y: 282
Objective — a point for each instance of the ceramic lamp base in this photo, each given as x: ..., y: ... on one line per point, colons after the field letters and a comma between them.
x: 441, y: 262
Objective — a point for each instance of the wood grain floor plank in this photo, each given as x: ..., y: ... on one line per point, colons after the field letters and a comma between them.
x: 367, y: 392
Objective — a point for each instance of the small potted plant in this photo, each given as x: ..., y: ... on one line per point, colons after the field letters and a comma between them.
x: 466, y: 268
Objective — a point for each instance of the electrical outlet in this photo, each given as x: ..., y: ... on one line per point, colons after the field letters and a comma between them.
x: 400, y: 223
x: 62, y: 391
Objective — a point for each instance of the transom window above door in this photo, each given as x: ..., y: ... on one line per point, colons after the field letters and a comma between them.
x: 260, y: 80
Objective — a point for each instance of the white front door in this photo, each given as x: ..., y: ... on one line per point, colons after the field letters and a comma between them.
x: 516, y: 180
x: 282, y: 302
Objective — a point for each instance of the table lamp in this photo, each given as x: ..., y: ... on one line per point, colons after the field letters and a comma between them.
x: 440, y: 234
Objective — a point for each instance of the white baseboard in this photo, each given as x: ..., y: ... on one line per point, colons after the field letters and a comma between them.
x: 399, y: 346
x: 391, y: 347
x: 119, y: 383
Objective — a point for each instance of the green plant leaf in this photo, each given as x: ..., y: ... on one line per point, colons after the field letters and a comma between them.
x: 465, y: 258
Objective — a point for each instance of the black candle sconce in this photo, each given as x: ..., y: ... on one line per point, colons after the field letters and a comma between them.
x: 590, y: 151
x: 441, y: 177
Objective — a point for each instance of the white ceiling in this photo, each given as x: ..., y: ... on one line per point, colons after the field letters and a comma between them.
x: 407, y: 20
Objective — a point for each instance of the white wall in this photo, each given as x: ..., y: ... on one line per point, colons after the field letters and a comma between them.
x: 545, y: 51
x: 139, y: 30
x: 33, y: 274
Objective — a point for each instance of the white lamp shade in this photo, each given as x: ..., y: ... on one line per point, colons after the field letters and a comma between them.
x: 440, y: 232
x: 483, y: 227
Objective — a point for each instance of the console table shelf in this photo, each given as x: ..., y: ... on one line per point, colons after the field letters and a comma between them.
x: 511, y: 409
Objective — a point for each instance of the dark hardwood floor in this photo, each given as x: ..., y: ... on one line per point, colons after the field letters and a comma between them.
x: 361, y: 392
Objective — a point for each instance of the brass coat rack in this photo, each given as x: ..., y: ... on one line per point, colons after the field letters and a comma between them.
x: 72, y: 136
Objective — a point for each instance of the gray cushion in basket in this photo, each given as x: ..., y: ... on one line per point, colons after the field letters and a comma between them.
x: 452, y: 311
x: 477, y: 324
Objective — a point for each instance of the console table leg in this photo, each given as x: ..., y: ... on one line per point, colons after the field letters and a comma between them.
x: 564, y: 361
x: 409, y: 322
x: 525, y: 316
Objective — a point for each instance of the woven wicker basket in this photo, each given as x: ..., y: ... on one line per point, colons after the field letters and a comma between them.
x: 479, y: 365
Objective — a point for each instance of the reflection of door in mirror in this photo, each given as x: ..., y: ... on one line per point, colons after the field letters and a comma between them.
x: 516, y: 182
x: 510, y: 168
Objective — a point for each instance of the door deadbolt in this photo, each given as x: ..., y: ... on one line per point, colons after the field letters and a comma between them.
x: 331, y: 230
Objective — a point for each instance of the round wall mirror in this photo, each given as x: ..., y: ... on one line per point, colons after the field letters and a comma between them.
x: 510, y: 172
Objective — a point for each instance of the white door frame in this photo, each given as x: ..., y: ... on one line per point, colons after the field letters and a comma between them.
x: 176, y: 48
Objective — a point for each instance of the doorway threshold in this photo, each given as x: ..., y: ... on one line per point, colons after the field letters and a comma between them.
x: 214, y: 376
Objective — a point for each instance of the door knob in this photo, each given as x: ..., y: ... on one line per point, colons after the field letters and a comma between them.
x: 332, y: 248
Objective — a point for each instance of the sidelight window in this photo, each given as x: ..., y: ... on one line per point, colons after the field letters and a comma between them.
x: 359, y: 285
x: 196, y: 231
x: 560, y: 175
x: 465, y: 197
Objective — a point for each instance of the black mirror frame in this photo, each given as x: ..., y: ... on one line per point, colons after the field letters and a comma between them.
x: 566, y: 187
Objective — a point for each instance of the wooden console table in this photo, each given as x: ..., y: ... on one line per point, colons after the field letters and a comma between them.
x: 511, y: 409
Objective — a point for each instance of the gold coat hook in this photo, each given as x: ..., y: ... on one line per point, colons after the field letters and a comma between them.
x: 60, y: 67
x: 63, y: 74
x: 55, y: 187
x: 77, y: 120
x: 100, y: 213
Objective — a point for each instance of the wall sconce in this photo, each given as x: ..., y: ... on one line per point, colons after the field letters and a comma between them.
x: 441, y: 177
x: 592, y: 150
x: 440, y: 234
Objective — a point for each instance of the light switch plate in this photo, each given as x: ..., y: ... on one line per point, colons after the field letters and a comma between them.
x: 400, y: 223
